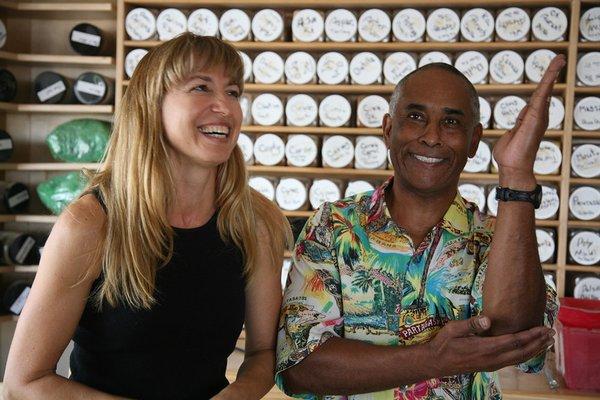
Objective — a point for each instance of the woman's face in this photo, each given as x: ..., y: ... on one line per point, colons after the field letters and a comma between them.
x: 202, y: 118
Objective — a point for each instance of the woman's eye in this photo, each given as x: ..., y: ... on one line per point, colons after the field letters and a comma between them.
x: 234, y: 93
x: 200, y: 88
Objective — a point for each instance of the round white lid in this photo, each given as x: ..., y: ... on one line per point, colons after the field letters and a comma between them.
x: 547, y: 158
x: 370, y: 152
x: 473, y: 65
x: 245, y: 106
x: 132, y: 59
x: 335, y: 111
x: 300, y: 68
x: 473, y: 194
x: 550, y: 203
x: 268, y: 67
x: 374, y: 25
x: 267, y: 109
x: 2, y: 34
x: 365, y: 68
x: 247, y: 65
x: 587, y: 288
x: 443, y: 25
x: 332, y: 68
x: 588, y: 68
x: 492, y: 203
x: 512, y: 24
x: 300, y: 150
x: 246, y: 146
x: 307, y: 25
x: 269, y: 149
x: 301, y: 110
x: 337, y: 151
x: 355, y: 187
x: 485, y: 112
x: 587, y: 113
x: 584, y: 248
x: 584, y: 203
x: 434, y: 57
x: 477, y: 25
x: 537, y: 63
x: 140, y: 24
x: 506, y: 66
x: 341, y: 25
x: 170, y: 23
x: 556, y: 113
x: 585, y: 160
x: 506, y: 111
x: 371, y: 109
x: 290, y: 194
x: 549, y: 23
x: 481, y: 161
x: 203, y: 22
x: 234, y: 25
x: 408, y: 25
x: 267, y: 25
x: 397, y: 65
x: 546, y: 244
x: 323, y: 190
x: 589, y: 24
x: 263, y: 186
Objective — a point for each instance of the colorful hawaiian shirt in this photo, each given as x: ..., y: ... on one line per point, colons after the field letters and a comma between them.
x: 351, y: 256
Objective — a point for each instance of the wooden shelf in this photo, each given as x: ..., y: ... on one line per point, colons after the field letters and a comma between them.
x: 298, y: 214
x: 56, y: 59
x: 42, y: 219
x: 583, y: 268
x: 549, y: 267
x: 589, y: 45
x: 584, y: 224
x: 50, y: 166
x: 342, y: 3
x: 586, y: 134
x: 9, y: 318
x: 57, y: 6
x: 56, y: 108
x: 9, y: 269
x: 587, y: 90
x: 584, y: 181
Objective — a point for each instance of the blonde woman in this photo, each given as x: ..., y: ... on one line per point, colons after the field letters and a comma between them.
x: 154, y: 271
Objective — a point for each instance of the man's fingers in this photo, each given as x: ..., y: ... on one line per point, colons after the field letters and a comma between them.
x: 472, y: 326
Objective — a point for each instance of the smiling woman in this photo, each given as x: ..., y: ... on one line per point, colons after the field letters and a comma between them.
x: 154, y: 270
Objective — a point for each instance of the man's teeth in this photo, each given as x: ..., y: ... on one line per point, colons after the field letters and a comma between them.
x: 215, y: 130
x: 429, y: 160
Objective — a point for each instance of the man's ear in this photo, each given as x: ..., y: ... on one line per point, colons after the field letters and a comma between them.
x: 477, y: 133
x: 387, y: 129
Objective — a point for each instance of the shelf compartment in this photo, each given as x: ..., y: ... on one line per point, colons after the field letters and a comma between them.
x: 56, y: 59
x: 56, y: 108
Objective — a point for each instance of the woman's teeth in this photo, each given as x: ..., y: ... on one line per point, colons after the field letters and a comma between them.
x: 215, y: 131
x: 428, y: 160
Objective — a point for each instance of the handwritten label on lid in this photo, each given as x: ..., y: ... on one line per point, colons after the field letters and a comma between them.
x: 269, y: 149
x: 507, y: 110
x: 300, y: 68
x: 95, y: 89
x: 477, y: 25
x: 473, y: 65
x: 332, y: 68
x: 374, y: 25
x: 584, y: 248
x: 481, y: 161
x: 370, y: 152
x: 203, y: 22
x: 443, y: 25
x: 300, y: 150
x: 88, y: 39
x: 587, y: 288
x: 537, y: 63
x: 589, y: 25
x: 301, y: 110
x: 473, y: 194
x: 307, y: 25
x: 323, y: 190
x: 267, y: 109
x: 290, y: 194
x: 585, y: 161
x: 365, y: 68
x: 170, y: 23
x: 132, y: 60
x: 234, y: 25
x: 397, y: 65
x: 335, y: 111
x: 262, y: 186
x: 549, y: 24
x: 17, y: 306
x: 267, y: 25
x: 546, y: 245
x: 512, y: 24
x: 587, y: 113
x: 556, y: 113
x: 371, y: 110
x: 550, y: 203
x: 140, y: 24
x: 485, y: 112
x: 355, y: 187
x: 547, y: 158
x: 53, y: 90
x: 584, y: 203
x: 507, y: 67
x: 268, y: 67
x: 246, y: 146
x: 434, y: 57
x: 408, y: 25
x: 588, y: 69
x: 341, y: 25
x: 337, y: 151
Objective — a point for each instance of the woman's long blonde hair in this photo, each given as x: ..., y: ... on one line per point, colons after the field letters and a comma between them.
x: 137, y: 187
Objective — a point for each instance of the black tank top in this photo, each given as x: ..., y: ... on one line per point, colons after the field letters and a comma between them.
x: 179, y: 348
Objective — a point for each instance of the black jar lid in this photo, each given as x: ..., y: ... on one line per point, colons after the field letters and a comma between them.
x: 86, y: 39
x: 8, y: 85
x: 23, y: 250
x: 90, y: 88
x: 6, y: 145
x: 50, y: 87
x: 12, y: 293
x: 16, y: 197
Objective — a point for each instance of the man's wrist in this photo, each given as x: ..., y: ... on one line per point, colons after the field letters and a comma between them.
x: 517, y: 181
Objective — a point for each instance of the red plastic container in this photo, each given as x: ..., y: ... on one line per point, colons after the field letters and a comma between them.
x: 578, y: 343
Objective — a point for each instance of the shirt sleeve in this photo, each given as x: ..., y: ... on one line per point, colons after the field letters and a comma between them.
x: 535, y: 364
x: 311, y: 309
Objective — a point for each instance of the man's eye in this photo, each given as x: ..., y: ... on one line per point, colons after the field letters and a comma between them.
x: 415, y: 116
x: 451, y: 121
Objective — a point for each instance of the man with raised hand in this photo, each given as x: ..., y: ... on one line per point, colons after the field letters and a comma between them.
x: 408, y: 291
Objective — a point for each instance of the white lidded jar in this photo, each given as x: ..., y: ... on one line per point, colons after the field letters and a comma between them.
x: 556, y: 113
x: 474, y: 194
x: 323, y: 190
x: 512, y: 25
x: 485, y: 112
x: 374, y: 25
x: 549, y: 24
x: 584, y: 247
x: 132, y: 59
x: 585, y: 160
x: 263, y: 185
x: 333, y: 68
x: 359, y: 186
x: 269, y: 149
x: 268, y: 68
x: 589, y: 25
x: 246, y: 145
x: 443, y: 25
x: 507, y: 67
x: 267, y: 26
x: 586, y: 114
x: 365, y: 68
x: 246, y: 105
x: 370, y: 152
x: 203, y: 22
x: 341, y: 25
x: 477, y: 25
x: 267, y: 109
x: 308, y: 26
x: 434, y: 57
x: 409, y: 25
x: 492, y: 203
x: 140, y: 24
x: 337, y: 152
x: 537, y: 63
x: 588, y: 69
x: 547, y: 159
x: 506, y: 111
x: 397, y: 65
x: 584, y: 203
x: 587, y: 287
x: 291, y: 194
x: 334, y: 111
x: 300, y: 68
x: 546, y: 243
x: 370, y: 111
x: 301, y: 150
x: 550, y: 203
x: 170, y: 23
x: 235, y: 25
x: 248, y: 77
x: 473, y: 65
x: 301, y: 110
x: 481, y: 161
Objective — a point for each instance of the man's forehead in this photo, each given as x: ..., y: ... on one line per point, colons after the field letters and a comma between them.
x: 436, y: 86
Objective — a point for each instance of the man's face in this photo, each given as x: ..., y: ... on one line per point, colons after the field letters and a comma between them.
x: 432, y: 132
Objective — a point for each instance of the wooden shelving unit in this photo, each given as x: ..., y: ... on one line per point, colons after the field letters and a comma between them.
x: 56, y: 59
x: 56, y: 108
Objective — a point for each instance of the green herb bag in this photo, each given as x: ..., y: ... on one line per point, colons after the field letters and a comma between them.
x: 80, y: 140
x: 58, y: 192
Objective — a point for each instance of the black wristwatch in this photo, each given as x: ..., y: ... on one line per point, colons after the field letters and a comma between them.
x: 534, y: 197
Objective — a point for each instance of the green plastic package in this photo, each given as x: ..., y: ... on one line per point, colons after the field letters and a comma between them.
x: 58, y: 192
x: 80, y: 140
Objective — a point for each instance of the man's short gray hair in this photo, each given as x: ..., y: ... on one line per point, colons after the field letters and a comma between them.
x: 474, y: 97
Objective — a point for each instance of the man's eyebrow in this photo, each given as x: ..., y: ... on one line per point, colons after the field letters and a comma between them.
x: 415, y: 106
x: 453, y: 111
